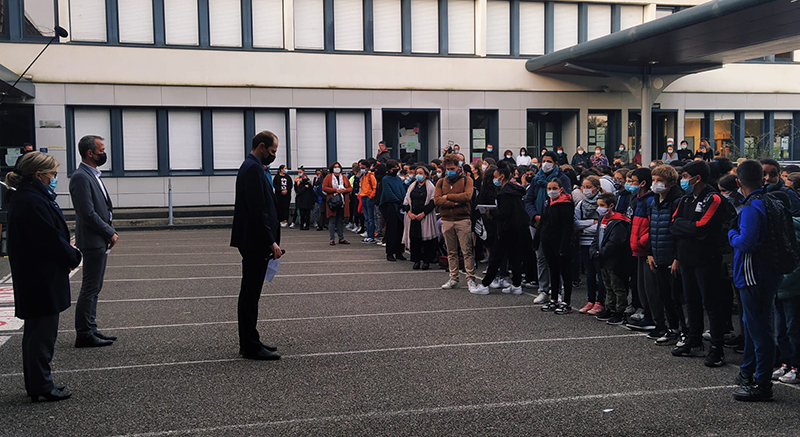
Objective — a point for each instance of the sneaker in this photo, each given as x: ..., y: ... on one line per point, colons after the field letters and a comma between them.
x: 734, y: 342
x: 505, y: 283
x: 291, y: 225
x: 655, y: 334
x: 479, y: 289
x: 542, y: 297
x: 363, y: 234
x: 630, y: 310
x: 471, y: 284
x: 637, y: 315
x: 604, y: 315
x: 616, y: 319
x: 784, y: 369
x: 741, y: 381
x: 526, y: 284
x: 669, y: 337
x: 790, y: 377
x: 586, y: 308
x: 512, y: 289
x: 350, y: 226
x: 753, y: 393
x: 641, y: 325
x: 715, y: 357
x: 596, y: 309
x: 497, y: 283
x: 368, y: 240
x: 549, y: 306
x: 382, y: 244
x: 688, y: 350
x: 563, y: 308
x: 450, y: 284
x: 728, y: 335
x: 682, y: 340
x: 284, y: 224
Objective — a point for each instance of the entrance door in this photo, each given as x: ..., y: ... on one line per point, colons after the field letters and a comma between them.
x: 406, y: 135
x: 544, y: 131
x: 664, y: 125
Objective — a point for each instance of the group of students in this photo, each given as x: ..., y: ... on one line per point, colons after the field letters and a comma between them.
x: 659, y: 247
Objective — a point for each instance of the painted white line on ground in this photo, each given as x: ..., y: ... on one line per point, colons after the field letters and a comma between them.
x: 344, y: 353
x: 202, y: 242
x: 305, y: 275
x: 7, y: 320
x: 3, y: 340
x: 234, y: 296
x: 5, y: 279
x: 283, y: 263
x: 389, y: 414
x: 332, y: 250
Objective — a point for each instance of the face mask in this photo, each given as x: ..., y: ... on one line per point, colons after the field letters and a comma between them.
x: 602, y: 210
x: 393, y: 172
x: 53, y: 183
x: 489, y: 150
x: 597, y: 152
x: 522, y: 153
x: 580, y: 152
x: 659, y: 187
x: 363, y: 171
x: 621, y: 149
x: 547, y: 167
x: 438, y: 174
x: 451, y: 173
x: 420, y: 178
x: 560, y: 152
x: 100, y: 159
x: 740, y: 191
x: 485, y: 167
x: 508, y: 156
x: 268, y: 160
x: 727, y: 196
x: 407, y: 181
x: 633, y: 189
x: 337, y: 170
x: 588, y: 192
x: 553, y: 193
x: 497, y: 182
x: 300, y: 174
x: 685, y: 184
x: 682, y: 146
x: 460, y: 163
x: 456, y: 150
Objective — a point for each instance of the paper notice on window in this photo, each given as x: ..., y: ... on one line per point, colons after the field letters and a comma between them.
x: 272, y: 269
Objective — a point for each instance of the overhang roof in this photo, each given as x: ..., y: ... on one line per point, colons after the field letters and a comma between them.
x: 696, y: 39
x: 24, y: 87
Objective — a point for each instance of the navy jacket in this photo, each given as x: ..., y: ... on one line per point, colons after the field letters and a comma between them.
x: 794, y: 198
x: 255, y: 211
x: 39, y: 252
x: 662, y: 243
x: 614, y: 250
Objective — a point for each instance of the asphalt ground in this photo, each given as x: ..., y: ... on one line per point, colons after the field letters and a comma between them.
x: 369, y: 348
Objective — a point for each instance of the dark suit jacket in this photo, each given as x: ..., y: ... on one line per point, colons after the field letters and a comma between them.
x: 93, y: 228
x: 255, y: 212
x: 39, y: 252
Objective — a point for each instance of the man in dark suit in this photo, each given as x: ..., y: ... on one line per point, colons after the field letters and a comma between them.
x: 94, y: 236
x: 256, y: 233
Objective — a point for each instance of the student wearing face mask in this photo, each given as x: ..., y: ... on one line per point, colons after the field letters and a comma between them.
x: 611, y: 246
x: 580, y: 161
x: 41, y: 258
x: 637, y: 157
x: 336, y: 184
x: 586, y: 219
x: 304, y: 198
x: 684, y: 153
x: 562, y: 156
x: 393, y: 192
x: 772, y: 171
x: 523, y: 158
x: 642, y: 281
x: 283, y: 192
x: 598, y: 158
x: 621, y: 155
x: 509, y: 159
x: 453, y: 196
x: 670, y: 155
x: 420, y: 231
x: 554, y: 238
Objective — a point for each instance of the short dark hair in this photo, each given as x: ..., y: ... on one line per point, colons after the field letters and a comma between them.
x: 266, y: 137
x: 725, y: 165
x: 392, y: 163
x: 772, y: 162
x: 644, y: 174
x: 606, y: 170
x: 728, y: 183
x: 791, y: 168
x: 608, y: 198
x: 363, y: 162
x: 551, y: 154
x: 700, y: 168
x: 87, y: 143
x: 750, y: 174
x: 503, y: 170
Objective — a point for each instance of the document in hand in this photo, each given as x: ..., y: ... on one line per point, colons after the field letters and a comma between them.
x: 483, y: 208
x: 272, y: 269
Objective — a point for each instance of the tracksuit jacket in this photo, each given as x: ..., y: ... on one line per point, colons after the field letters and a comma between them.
x: 693, y: 225
x: 751, y: 233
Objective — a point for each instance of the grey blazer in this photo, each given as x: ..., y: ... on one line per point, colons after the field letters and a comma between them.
x: 93, y: 228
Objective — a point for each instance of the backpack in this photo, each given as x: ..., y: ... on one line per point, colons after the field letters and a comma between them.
x: 780, y: 248
x: 729, y: 215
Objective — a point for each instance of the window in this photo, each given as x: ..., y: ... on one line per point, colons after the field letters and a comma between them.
x: 461, y: 27
x: 692, y: 128
x: 348, y: 25
x: 136, y: 21
x: 93, y: 122
x: 783, y: 135
x: 630, y: 16
x: 312, y: 149
x: 599, y: 21
x: 275, y: 122
x: 181, y: 22
x: 565, y: 25
x: 723, y: 127
x: 663, y: 11
x: 39, y: 17
x: 309, y: 19
x: 531, y: 28
x: 229, y: 143
x: 268, y: 23
x: 351, y: 137
x: 784, y: 57
x: 498, y: 28
x: 88, y: 20
x: 185, y: 140
x: 139, y: 139
x: 424, y: 26
x: 387, y: 28
x: 225, y: 23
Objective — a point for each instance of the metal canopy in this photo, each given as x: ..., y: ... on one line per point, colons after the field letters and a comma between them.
x: 24, y: 88
x: 696, y: 39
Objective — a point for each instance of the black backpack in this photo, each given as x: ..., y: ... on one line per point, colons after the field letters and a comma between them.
x: 780, y: 248
x: 728, y: 212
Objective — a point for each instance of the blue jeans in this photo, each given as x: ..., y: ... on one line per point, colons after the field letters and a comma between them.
x: 758, y: 303
x: 368, y: 205
x: 787, y: 330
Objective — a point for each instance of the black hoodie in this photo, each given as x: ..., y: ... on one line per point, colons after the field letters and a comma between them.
x: 510, y: 215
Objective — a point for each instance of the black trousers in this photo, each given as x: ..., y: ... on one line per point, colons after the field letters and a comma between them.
x: 560, y: 270
x: 701, y: 288
x: 423, y: 250
x: 670, y: 289
x: 38, y: 345
x: 254, y: 267
x: 94, y: 269
x: 305, y: 218
x: 284, y: 203
x: 507, y: 246
x: 394, y: 229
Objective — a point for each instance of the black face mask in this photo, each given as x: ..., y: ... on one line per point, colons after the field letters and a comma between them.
x: 100, y: 159
x: 393, y: 172
x: 268, y: 160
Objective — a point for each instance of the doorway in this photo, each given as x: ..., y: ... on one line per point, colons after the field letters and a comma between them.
x: 548, y: 129
x: 410, y: 134
x: 664, y: 125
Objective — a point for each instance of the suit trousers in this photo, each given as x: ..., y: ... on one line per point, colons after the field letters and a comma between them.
x: 38, y: 344
x: 254, y: 267
x: 94, y: 269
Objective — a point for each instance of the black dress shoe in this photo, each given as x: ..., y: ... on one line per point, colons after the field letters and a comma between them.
x: 269, y: 348
x: 390, y: 258
x: 416, y: 265
x: 262, y: 355
x: 91, y: 341
x: 400, y: 257
x: 425, y: 266
x: 102, y: 336
x: 52, y: 396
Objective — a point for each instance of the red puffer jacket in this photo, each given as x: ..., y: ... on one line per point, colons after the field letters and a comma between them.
x: 640, y: 229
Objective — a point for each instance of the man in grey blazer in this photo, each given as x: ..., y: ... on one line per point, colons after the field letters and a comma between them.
x: 94, y: 236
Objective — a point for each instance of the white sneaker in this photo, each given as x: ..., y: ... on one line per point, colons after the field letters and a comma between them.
x: 497, y: 283
x: 349, y: 226
x: 542, y: 297
x: 526, y: 284
x: 479, y: 289
x: 363, y: 234
x: 291, y: 225
x: 471, y: 284
x: 790, y: 377
x: 450, y: 284
x: 512, y: 289
x: 284, y: 224
x: 782, y: 371
x: 638, y: 315
x: 506, y: 283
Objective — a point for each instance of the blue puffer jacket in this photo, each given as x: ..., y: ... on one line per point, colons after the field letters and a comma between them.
x: 662, y: 244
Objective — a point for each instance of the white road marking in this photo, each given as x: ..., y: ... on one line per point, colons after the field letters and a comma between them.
x: 164, y: 244
x: 3, y: 340
x: 388, y: 414
x: 283, y: 263
x: 7, y: 320
x: 305, y: 275
x: 332, y: 250
x: 343, y: 353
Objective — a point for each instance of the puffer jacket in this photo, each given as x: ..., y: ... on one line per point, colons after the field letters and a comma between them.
x: 640, y: 224
x: 585, y: 224
x: 662, y: 244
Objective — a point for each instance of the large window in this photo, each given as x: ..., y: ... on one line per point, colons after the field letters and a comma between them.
x: 229, y: 142
x: 531, y: 28
x: 309, y: 24
x: 630, y: 16
x: 275, y: 122
x: 268, y: 23
x: 225, y: 23
x: 136, y: 21
x: 181, y: 22
x: 461, y: 27
x: 599, y: 21
x: 40, y: 16
x: 387, y: 27
x: 93, y: 122
x: 754, y: 137
x: 351, y: 140
x: 348, y: 26
x: 88, y: 20
x: 312, y: 139
x: 498, y: 27
x: 139, y: 139
x: 693, y: 122
x: 723, y: 129
x: 185, y: 140
x: 424, y: 26
x: 783, y: 135
x: 565, y: 25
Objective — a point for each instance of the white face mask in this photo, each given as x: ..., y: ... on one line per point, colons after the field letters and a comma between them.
x: 659, y: 187
x: 547, y: 167
x: 596, y: 152
x: 602, y: 210
x: 621, y: 149
x: 508, y: 156
x: 553, y: 194
x: 484, y: 167
x: 588, y: 192
x: 580, y: 152
x: 337, y: 170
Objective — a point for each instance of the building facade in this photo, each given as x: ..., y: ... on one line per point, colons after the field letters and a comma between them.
x: 178, y: 87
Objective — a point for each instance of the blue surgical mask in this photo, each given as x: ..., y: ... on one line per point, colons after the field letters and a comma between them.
x: 451, y: 173
x: 420, y: 178
x: 363, y: 171
x: 685, y: 184
x: 633, y: 189
x: 460, y: 163
x: 740, y: 191
x: 53, y: 183
x: 497, y: 182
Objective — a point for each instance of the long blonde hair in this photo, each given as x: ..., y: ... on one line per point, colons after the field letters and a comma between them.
x: 30, y: 164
